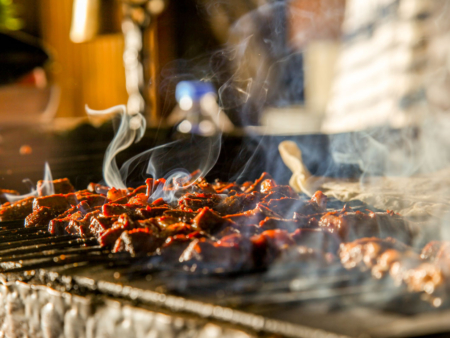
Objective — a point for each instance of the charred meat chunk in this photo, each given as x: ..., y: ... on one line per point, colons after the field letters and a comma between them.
x: 392, y: 225
x: 365, y: 253
x: 61, y: 186
x: 257, y: 185
x: 81, y: 225
x: 286, y: 207
x: 182, y: 216
x: 209, y: 221
x: 253, y: 216
x: 270, y: 245
x: 231, y: 253
x: 109, y: 237
x: 150, y: 211
x: 317, y: 239
x: 97, y: 188
x: 137, y: 241
x: 100, y: 224
x: 350, y: 225
x: 17, y: 210
x: 40, y: 216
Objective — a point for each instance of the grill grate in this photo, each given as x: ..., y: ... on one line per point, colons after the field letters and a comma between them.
x: 79, y: 265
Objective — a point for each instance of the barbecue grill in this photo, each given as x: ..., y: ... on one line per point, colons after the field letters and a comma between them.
x: 55, y: 285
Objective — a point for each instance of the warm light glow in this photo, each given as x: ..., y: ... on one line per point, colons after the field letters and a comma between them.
x: 186, y: 103
x: 206, y: 127
x: 185, y: 127
x: 84, y: 20
x: 156, y: 6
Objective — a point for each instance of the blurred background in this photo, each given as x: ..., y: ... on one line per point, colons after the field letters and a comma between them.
x: 301, y: 69
x: 182, y: 40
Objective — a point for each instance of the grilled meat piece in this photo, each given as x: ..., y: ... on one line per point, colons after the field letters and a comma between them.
x: 317, y: 239
x: 286, y: 207
x: 17, y: 210
x: 193, y: 202
x: 100, y: 224
x: 61, y: 186
x: 112, y: 209
x: 149, y: 212
x: 364, y: 253
x: 40, y: 216
x: 81, y: 225
x: 58, y: 203
x: 178, y: 229
x: 232, y: 253
x: 253, y: 216
x: 270, y: 245
x: 109, y: 237
x: 182, y: 216
x: 209, y: 221
x: 257, y: 185
x: 392, y: 225
x: 97, y: 188
x: 49, y: 207
x: 349, y: 225
x: 137, y: 241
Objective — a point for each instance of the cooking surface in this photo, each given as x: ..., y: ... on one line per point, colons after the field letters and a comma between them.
x: 334, y: 300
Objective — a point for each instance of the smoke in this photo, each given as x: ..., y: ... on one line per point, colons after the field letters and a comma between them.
x: 173, y: 161
x: 46, y: 188
x: 131, y: 128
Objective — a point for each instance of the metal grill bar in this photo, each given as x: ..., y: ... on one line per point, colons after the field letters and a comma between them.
x: 53, y: 245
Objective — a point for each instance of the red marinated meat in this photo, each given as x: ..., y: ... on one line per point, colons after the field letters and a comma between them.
x: 58, y: 203
x: 58, y: 226
x: 317, y: 239
x: 137, y: 241
x: 150, y: 211
x: 253, y: 216
x: 112, y: 209
x: 290, y: 225
x: 17, y: 210
x: 350, y: 225
x: 100, y: 224
x: 177, y: 229
x: 366, y: 252
x: 94, y: 200
x: 233, y: 252
x: 195, y: 201
x: 209, y: 221
x: 269, y: 246
x: 153, y: 185
x: 40, y: 216
x: 97, y: 188
x: 109, y: 237
x: 61, y: 186
x: 256, y: 186
x: 81, y: 225
x: 392, y: 225
x: 286, y: 207
x: 182, y: 216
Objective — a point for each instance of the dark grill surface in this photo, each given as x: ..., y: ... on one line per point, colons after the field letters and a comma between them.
x: 287, y: 299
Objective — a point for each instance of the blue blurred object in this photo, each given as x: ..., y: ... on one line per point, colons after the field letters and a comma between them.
x: 193, y: 89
